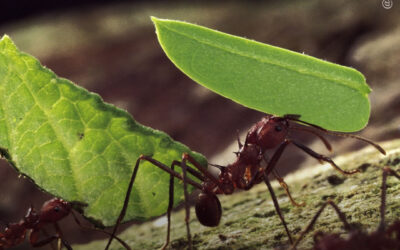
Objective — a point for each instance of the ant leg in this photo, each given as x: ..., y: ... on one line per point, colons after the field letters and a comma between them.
x: 203, y: 170
x: 123, y: 243
x: 132, y: 180
x: 34, y: 236
x: 341, y: 215
x: 320, y: 157
x: 286, y: 188
x: 186, y: 194
x: 46, y: 234
x: 169, y: 209
x: 277, y: 208
x: 275, y: 157
x: 386, y: 171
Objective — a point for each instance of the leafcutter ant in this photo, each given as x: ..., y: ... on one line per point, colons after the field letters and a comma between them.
x: 382, y: 238
x: 51, y: 212
x: 246, y: 171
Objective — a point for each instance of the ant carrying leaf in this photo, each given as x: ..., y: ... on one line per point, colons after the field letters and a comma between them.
x: 382, y: 238
x: 33, y: 223
x: 246, y: 171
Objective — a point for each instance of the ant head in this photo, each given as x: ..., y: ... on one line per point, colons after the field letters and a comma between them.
x: 269, y: 132
x: 208, y: 209
x: 54, y: 210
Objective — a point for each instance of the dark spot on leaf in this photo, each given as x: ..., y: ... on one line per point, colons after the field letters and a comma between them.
x: 81, y: 135
x: 154, y: 194
x: 363, y: 167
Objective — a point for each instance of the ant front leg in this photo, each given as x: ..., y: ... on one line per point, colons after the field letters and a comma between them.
x: 166, y: 169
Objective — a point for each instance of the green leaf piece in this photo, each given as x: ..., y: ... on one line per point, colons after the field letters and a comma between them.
x: 75, y: 146
x: 268, y: 78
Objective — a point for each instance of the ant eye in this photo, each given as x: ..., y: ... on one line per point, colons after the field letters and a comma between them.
x: 278, y: 128
x: 56, y: 209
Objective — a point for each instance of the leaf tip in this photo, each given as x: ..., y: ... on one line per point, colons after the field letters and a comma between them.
x: 157, y: 20
x: 5, y: 39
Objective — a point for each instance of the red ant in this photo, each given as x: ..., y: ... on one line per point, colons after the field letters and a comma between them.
x: 380, y: 239
x: 51, y: 212
x: 246, y: 171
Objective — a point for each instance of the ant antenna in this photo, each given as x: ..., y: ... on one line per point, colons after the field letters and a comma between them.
x: 323, y: 139
x: 295, y: 118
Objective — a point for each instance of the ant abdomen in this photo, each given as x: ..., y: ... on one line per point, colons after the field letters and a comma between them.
x: 208, y: 209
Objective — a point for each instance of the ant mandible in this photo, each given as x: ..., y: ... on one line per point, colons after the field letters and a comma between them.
x: 380, y: 239
x: 51, y: 212
x: 243, y: 173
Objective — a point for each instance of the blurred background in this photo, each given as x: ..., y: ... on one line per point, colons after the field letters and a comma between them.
x: 110, y: 48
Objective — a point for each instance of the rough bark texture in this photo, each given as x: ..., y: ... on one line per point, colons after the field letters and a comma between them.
x: 250, y: 222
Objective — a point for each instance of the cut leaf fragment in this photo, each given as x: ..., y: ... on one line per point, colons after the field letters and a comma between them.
x: 267, y: 78
x: 75, y: 146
